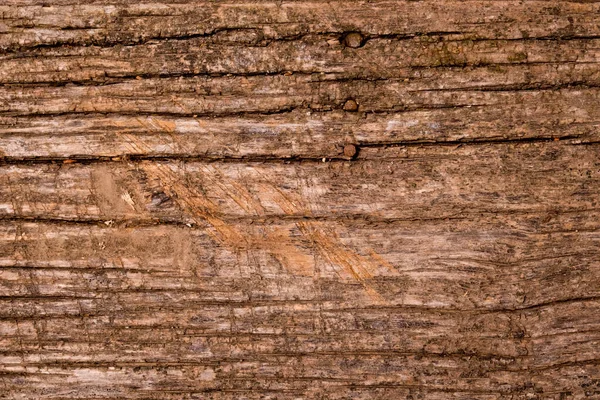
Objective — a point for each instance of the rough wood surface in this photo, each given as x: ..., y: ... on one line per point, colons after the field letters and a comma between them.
x: 302, y: 199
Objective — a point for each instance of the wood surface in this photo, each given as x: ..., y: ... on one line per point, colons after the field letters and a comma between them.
x: 299, y: 200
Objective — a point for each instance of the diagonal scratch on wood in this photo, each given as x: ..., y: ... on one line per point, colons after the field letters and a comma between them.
x: 329, y: 245
x: 155, y: 124
x: 241, y: 197
x: 273, y: 240
x: 191, y: 200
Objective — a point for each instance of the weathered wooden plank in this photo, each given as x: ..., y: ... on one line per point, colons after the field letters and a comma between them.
x: 302, y: 199
x: 310, y: 375
x: 429, y: 182
x: 373, y: 289
x: 53, y: 331
x: 544, y: 114
x: 161, y: 337
x: 295, y: 135
x: 558, y: 61
x: 235, y: 207
x: 498, y: 116
x: 218, y: 333
x: 485, y: 263
x: 237, y: 95
x: 27, y: 24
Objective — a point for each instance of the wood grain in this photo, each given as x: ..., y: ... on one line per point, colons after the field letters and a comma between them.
x: 299, y: 200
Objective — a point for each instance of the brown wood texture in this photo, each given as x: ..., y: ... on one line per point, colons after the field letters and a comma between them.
x: 299, y: 200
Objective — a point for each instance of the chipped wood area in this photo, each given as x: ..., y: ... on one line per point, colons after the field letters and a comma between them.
x: 303, y: 199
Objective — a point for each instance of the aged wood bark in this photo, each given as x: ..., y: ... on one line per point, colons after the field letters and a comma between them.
x: 303, y: 199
